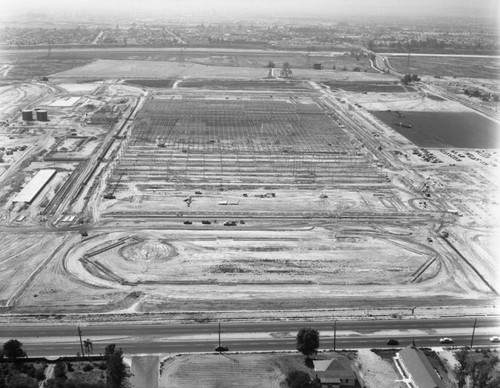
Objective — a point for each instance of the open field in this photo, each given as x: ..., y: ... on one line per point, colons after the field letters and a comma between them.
x: 147, y: 69
x: 229, y: 370
x: 39, y: 66
x: 266, y: 370
x: 443, y: 66
x: 105, y: 68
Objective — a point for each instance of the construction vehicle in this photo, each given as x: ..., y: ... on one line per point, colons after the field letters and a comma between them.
x: 160, y: 142
x: 111, y: 194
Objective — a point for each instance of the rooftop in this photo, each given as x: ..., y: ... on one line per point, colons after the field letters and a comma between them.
x: 419, y: 366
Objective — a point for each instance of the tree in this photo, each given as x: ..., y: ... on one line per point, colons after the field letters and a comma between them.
x: 60, y: 370
x: 461, y: 369
x: 480, y: 371
x: 13, y: 350
x: 115, y: 369
x: 298, y: 379
x: 271, y: 65
x: 406, y: 79
x: 286, y: 70
x: 308, y: 341
x: 21, y: 381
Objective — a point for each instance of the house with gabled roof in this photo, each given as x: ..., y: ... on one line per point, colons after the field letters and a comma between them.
x: 416, y: 369
x: 335, y: 373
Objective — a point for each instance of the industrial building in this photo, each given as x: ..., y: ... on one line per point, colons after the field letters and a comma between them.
x: 35, y: 186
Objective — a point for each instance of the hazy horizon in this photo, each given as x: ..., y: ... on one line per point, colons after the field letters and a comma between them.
x: 259, y: 8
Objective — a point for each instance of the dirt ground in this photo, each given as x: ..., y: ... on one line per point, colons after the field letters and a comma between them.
x: 375, y: 371
x: 264, y: 370
x: 105, y: 68
x: 331, y: 206
x: 227, y: 370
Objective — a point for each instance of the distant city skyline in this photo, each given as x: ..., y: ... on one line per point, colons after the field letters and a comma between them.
x: 260, y: 8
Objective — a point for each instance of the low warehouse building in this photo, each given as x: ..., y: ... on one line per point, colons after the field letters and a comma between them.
x: 35, y: 186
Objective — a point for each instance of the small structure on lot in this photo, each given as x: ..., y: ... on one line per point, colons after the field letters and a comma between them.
x: 335, y: 373
x: 416, y: 369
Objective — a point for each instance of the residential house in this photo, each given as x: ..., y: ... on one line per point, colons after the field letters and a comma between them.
x: 335, y: 373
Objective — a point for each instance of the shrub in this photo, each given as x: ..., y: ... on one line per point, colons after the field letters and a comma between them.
x: 299, y: 379
x: 88, y: 367
x: 60, y: 370
x: 40, y: 374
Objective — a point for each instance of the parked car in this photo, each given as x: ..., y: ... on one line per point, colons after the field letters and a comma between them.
x: 187, y: 222
x: 205, y: 222
x: 392, y: 341
x: 495, y: 339
x: 221, y: 349
x: 446, y: 340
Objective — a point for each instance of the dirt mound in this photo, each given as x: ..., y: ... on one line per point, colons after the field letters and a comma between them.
x: 149, y: 250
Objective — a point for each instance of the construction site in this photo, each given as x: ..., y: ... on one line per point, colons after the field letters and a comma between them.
x: 214, y: 189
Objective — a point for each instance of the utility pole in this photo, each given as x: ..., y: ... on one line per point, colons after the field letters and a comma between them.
x: 219, y: 334
x: 409, y: 61
x: 473, y: 331
x: 81, y: 343
x: 334, y: 335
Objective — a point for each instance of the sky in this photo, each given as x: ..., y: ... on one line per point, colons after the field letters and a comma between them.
x: 249, y: 8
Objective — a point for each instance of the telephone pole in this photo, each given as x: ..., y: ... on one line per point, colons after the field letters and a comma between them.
x: 219, y: 334
x: 334, y: 335
x: 473, y: 331
x: 81, y: 343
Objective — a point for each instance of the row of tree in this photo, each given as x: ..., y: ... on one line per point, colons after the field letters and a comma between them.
x: 409, y: 78
x: 476, y: 370
x: 13, y: 351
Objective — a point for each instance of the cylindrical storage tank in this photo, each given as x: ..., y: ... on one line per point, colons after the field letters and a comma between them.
x: 41, y: 115
x: 27, y: 115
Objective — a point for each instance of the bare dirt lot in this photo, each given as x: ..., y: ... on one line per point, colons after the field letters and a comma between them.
x: 265, y: 370
x: 239, y: 192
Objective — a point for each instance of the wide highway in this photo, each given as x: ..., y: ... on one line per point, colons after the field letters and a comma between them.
x: 44, y: 340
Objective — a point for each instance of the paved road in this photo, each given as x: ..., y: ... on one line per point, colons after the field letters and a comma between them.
x: 172, y: 338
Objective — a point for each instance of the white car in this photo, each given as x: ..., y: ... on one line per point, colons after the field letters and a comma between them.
x: 446, y: 340
x: 494, y: 339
